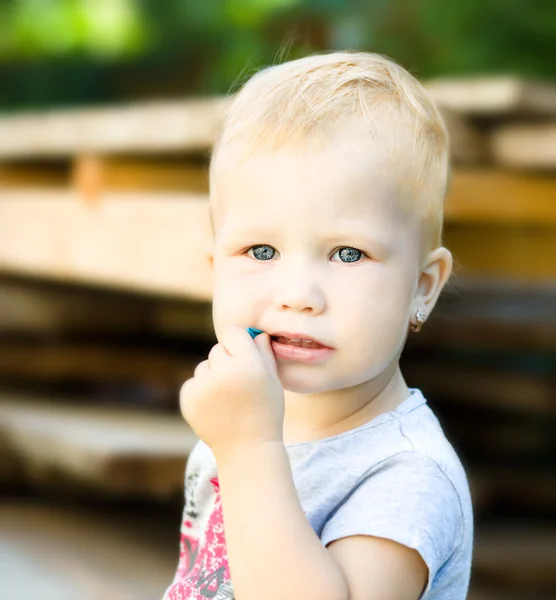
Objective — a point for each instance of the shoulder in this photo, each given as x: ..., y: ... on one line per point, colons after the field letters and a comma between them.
x: 431, y: 453
x: 407, y: 509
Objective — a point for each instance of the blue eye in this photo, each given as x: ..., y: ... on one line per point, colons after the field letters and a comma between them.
x: 348, y: 254
x: 262, y: 252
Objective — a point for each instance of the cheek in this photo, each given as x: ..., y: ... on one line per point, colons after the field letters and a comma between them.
x: 375, y: 315
x: 233, y: 303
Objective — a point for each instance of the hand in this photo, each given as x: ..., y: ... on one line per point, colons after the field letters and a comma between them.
x: 235, y: 399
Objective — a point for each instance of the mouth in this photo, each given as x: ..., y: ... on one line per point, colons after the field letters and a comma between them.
x: 301, y: 340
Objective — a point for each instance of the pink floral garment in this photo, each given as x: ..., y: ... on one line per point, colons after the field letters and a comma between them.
x: 203, y: 562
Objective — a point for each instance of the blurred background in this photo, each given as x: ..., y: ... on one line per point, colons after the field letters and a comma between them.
x: 108, y: 109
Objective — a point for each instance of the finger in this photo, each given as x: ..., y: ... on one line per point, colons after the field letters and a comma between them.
x: 217, y: 355
x: 237, y: 341
x: 187, y: 391
x: 201, y: 368
x: 262, y: 342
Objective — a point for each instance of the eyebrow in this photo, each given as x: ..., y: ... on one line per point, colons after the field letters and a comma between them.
x: 369, y: 235
x: 372, y: 235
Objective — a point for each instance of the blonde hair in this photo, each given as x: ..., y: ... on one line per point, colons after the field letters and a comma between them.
x: 301, y: 100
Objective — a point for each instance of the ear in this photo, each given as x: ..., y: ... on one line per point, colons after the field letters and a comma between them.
x: 435, y: 272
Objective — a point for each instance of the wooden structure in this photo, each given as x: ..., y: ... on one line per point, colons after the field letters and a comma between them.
x: 105, y: 300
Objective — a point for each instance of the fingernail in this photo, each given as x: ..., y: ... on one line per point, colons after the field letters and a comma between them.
x: 254, y: 332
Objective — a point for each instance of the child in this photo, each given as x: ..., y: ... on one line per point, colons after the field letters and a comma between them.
x: 320, y: 475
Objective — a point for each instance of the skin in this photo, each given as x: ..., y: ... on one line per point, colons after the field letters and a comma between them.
x: 304, y: 206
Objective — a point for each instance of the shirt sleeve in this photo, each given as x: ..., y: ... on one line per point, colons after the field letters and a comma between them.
x: 408, y: 499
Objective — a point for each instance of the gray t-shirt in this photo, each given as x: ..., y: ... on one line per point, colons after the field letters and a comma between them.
x: 395, y: 477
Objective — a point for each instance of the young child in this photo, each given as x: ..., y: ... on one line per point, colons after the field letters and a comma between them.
x: 319, y: 474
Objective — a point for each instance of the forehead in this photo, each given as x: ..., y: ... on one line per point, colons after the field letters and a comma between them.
x: 305, y: 185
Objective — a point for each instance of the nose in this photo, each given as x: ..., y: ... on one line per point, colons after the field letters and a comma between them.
x: 299, y: 290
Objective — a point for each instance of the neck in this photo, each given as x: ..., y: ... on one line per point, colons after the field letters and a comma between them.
x: 312, y: 417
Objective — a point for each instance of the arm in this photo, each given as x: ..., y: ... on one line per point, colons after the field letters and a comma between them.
x: 235, y: 403
x: 274, y: 553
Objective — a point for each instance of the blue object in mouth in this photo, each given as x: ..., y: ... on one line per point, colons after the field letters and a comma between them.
x: 254, y: 332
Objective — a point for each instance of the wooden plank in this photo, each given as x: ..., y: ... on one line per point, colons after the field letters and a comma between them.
x: 59, y: 549
x: 486, y: 592
x: 468, y: 143
x: 31, y: 360
x: 93, y: 175
x: 525, y: 146
x: 487, y: 196
x: 24, y: 174
x: 499, y: 441
x: 42, y: 309
x: 516, y: 555
x: 493, y: 334
x: 135, y: 174
x: 115, y: 174
x: 10, y: 467
x: 150, y: 243
x: 36, y: 309
x: 489, y: 387
x: 515, y: 252
x: 156, y: 127
x: 116, y: 451
x: 494, y: 96
x: 479, y: 314
x: 531, y: 491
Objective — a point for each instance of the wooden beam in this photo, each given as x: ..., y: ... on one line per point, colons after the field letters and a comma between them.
x: 44, y: 309
x: 118, y: 451
x: 94, y: 175
x: 516, y: 555
x: 44, y: 362
x: 490, y: 592
x: 157, y: 244
x: 494, y: 96
x: 485, y: 332
x: 486, y: 196
x: 115, y: 174
x: 468, y: 143
x: 156, y: 127
x: 123, y: 174
x: 25, y: 174
x: 525, y: 146
x: 57, y: 548
x: 517, y: 253
x: 498, y: 316
x: 494, y: 440
x: 484, y: 387
x: 532, y: 490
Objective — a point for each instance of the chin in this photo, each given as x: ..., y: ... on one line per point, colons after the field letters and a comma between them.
x: 302, y: 384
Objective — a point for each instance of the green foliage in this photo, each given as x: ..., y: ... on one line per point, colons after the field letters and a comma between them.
x: 39, y: 28
x: 253, y: 13
x: 114, y: 47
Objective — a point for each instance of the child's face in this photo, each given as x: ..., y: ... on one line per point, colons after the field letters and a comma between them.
x: 342, y: 261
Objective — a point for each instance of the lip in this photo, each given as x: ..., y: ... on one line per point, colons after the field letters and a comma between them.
x: 299, y: 336
x: 298, y: 353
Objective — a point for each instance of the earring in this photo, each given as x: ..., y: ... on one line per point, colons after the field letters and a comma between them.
x: 420, y: 316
